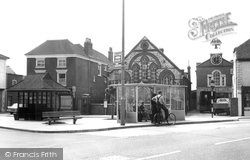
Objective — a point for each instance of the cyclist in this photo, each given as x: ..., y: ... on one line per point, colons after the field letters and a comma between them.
x: 161, y: 103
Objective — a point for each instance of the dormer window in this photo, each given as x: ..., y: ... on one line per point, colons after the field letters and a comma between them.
x: 14, y: 81
x: 40, y: 63
x: 61, y: 63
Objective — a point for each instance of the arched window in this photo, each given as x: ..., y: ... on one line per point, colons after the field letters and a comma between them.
x: 216, y: 77
x: 135, y: 69
x: 167, y: 77
x: 153, y: 68
x: 144, y: 67
x: 168, y: 80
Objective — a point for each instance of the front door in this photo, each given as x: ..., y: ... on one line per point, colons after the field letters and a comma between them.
x: 246, y: 101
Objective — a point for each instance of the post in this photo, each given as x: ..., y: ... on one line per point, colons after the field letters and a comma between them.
x: 212, y: 85
x: 212, y: 109
x: 122, y: 76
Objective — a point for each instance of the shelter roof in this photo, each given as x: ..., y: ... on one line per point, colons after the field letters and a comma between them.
x: 38, y: 82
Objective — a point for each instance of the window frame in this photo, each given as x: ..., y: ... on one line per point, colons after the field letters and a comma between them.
x: 61, y: 72
x: 58, y: 63
x: 38, y: 60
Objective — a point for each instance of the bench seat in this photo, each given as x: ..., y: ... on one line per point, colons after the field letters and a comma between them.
x: 61, y: 115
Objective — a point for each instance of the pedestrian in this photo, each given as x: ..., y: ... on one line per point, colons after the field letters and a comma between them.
x: 153, y: 108
x: 159, y: 99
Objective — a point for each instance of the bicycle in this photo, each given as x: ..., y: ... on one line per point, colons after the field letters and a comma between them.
x: 158, y: 118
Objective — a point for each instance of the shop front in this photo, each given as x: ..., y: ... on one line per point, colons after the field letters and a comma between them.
x: 140, y: 93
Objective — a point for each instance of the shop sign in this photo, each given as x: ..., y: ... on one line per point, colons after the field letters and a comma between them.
x: 211, y: 28
x: 218, y: 89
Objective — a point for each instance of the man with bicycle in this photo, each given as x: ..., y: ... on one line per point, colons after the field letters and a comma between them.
x: 159, y: 99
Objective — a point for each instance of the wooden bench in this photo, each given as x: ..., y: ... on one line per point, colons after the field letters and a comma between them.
x: 60, y: 115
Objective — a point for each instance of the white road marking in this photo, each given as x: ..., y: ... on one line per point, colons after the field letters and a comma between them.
x: 159, y: 155
x: 236, y: 140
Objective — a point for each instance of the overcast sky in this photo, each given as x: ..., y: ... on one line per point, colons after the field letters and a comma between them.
x: 25, y: 24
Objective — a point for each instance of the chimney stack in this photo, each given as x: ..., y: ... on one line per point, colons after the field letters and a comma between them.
x: 88, y: 47
x: 111, y: 54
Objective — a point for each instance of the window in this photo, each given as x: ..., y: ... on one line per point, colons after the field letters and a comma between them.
x: 61, y: 63
x: 14, y: 81
x: 216, y: 77
x: 105, y: 68
x: 40, y: 63
x: 153, y: 68
x: 135, y: 69
x: 144, y: 67
x: 219, y: 79
x: 99, y: 70
x: 62, y: 77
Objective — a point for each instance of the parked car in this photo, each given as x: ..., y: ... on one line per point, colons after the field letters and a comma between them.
x: 12, y: 109
x: 221, y: 106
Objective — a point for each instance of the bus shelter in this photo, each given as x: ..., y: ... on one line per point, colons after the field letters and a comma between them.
x: 135, y: 94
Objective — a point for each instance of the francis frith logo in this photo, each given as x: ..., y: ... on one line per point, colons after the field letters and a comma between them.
x: 211, y: 28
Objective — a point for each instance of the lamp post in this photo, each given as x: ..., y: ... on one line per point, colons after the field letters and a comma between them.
x: 122, y: 76
x: 212, y: 85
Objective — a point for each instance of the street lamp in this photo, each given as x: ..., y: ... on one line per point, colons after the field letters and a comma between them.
x: 122, y: 76
x: 212, y: 85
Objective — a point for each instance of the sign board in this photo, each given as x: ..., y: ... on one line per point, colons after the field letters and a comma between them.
x: 105, y: 104
x: 117, y: 57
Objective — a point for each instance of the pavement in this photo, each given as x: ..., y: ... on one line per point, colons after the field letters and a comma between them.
x: 92, y: 123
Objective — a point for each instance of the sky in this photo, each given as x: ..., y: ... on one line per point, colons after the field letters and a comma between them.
x: 26, y: 24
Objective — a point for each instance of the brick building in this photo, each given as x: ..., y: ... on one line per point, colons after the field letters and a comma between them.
x: 3, y: 92
x: 79, y: 68
x: 12, y: 79
x: 215, y: 68
x: 241, y: 77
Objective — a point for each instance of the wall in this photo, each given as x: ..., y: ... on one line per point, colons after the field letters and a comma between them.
x: 98, y: 109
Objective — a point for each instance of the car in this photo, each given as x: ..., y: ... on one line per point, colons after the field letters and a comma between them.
x: 222, y: 101
x: 221, y: 106
x: 12, y: 109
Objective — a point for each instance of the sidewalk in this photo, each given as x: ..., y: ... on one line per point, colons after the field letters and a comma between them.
x: 90, y: 123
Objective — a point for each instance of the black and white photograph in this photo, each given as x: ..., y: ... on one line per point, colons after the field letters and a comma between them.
x: 124, y: 80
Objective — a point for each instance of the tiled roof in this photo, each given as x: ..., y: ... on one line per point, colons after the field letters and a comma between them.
x: 38, y: 82
x: 3, y: 57
x: 55, y: 47
x: 96, y: 55
x: 59, y: 47
x: 9, y: 70
x: 243, y: 51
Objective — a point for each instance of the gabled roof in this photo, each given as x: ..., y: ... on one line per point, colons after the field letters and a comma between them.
x: 60, y: 47
x: 9, y: 70
x: 152, y: 47
x: 243, y: 50
x: 38, y: 82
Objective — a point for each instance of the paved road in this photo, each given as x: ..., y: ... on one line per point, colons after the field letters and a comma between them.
x: 230, y: 140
